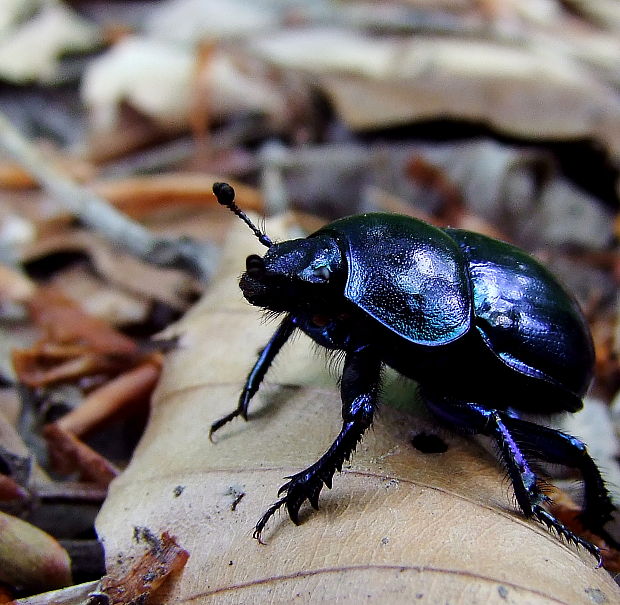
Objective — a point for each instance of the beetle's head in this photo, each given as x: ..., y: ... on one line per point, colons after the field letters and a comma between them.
x: 292, y: 275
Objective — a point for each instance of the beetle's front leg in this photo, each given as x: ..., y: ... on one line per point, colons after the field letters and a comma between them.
x: 255, y: 377
x: 359, y: 388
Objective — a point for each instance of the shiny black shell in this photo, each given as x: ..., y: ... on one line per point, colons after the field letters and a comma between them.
x: 434, y: 286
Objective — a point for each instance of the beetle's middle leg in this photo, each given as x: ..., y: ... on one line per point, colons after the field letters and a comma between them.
x: 530, y: 497
x: 256, y: 375
x: 359, y: 389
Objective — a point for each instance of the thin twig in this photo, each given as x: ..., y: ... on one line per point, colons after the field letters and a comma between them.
x: 181, y: 253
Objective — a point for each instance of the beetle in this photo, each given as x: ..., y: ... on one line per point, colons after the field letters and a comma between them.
x: 486, y: 331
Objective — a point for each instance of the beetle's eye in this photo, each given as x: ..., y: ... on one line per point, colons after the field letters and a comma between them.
x: 322, y: 272
x: 315, y: 274
x: 254, y: 265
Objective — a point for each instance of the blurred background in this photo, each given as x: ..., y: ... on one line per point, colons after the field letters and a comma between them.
x: 500, y: 116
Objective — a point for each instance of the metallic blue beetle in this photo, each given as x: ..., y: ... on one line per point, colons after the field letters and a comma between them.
x: 485, y: 329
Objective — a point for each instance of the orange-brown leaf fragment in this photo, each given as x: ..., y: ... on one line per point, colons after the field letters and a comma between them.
x: 69, y: 454
x: 65, y: 321
x: 138, y: 196
x: 163, y: 558
x: 35, y: 368
x: 75, y: 344
x: 13, y: 176
x: 124, y: 390
x: 10, y: 490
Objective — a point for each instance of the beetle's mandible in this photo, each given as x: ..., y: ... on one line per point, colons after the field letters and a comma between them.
x: 432, y: 303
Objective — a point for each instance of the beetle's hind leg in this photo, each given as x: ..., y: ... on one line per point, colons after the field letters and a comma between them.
x: 359, y: 389
x: 550, y: 445
x: 530, y: 497
x: 255, y: 377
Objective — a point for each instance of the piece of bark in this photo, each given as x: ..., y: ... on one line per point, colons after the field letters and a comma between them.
x: 162, y: 558
x: 399, y: 525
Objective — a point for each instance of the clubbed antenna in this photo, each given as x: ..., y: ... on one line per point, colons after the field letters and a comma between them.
x: 225, y: 195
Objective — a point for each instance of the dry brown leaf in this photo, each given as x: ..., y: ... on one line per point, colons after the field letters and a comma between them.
x: 532, y: 90
x: 72, y: 595
x: 567, y: 511
x: 603, y: 12
x: 155, y: 78
x: 15, y: 286
x: 117, y: 267
x: 13, y: 176
x: 75, y: 343
x: 65, y: 322
x: 5, y: 595
x: 399, y: 525
x: 100, y: 298
x: 29, y: 52
x: 11, y: 441
x: 70, y: 364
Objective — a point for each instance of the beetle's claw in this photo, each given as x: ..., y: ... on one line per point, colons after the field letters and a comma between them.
x: 293, y: 504
x: 258, y: 530
x: 300, y: 487
x: 552, y: 523
x: 595, y: 551
x: 293, y: 499
x: 284, y: 488
x: 313, y: 497
x: 218, y: 424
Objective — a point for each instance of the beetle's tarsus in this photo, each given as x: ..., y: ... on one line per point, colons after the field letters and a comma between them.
x: 303, y: 486
x: 547, y: 519
x: 216, y: 426
x: 328, y: 480
x: 293, y: 504
x: 262, y: 522
x: 313, y: 498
